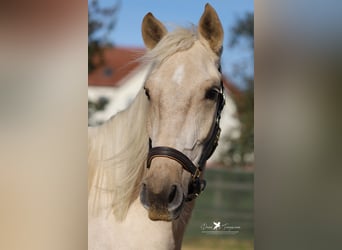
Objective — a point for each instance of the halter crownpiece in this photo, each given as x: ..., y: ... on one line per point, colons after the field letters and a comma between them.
x: 196, y: 185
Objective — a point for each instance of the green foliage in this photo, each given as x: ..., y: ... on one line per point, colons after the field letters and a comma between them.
x: 94, y: 106
x: 101, y: 22
x: 244, y: 146
x: 244, y: 28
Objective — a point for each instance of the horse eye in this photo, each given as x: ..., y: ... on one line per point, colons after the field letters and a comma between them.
x: 212, y: 94
x: 147, y: 93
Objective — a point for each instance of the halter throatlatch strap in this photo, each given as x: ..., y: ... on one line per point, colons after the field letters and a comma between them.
x: 213, y: 137
x: 196, y: 185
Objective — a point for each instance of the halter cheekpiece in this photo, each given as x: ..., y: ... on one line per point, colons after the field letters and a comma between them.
x: 196, y: 185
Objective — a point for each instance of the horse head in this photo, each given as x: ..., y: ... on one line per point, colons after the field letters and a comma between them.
x: 184, y: 92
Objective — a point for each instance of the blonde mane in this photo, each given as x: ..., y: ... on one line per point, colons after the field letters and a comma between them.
x: 117, y: 150
x: 116, y: 157
x: 178, y: 40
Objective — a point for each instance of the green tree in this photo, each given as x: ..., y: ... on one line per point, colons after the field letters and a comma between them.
x: 242, y: 33
x: 101, y: 22
x: 243, y: 28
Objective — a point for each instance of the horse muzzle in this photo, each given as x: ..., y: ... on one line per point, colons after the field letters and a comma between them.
x: 164, y: 204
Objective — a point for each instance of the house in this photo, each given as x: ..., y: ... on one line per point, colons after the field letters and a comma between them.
x: 119, y: 78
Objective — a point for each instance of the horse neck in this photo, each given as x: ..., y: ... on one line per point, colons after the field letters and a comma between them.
x: 179, y: 225
x: 116, y: 154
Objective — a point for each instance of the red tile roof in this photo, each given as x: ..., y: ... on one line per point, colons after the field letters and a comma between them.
x: 118, y: 63
x: 232, y: 90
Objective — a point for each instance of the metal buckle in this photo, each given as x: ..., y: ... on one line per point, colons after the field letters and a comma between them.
x: 196, y: 174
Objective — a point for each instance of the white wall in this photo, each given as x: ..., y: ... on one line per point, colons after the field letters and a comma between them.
x: 119, y: 97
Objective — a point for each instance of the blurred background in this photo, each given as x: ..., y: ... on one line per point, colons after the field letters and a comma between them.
x: 114, y: 78
x: 43, y: 135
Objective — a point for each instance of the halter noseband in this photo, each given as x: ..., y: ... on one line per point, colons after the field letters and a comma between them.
x: 196, y: 185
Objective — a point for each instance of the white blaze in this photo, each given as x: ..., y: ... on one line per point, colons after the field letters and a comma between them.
x: 178, y: 74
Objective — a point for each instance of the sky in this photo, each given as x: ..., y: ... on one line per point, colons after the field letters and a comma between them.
x: 127, y: 31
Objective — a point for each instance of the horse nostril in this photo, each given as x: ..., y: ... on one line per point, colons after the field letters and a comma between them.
x: 173, y: 192
x: 175, y: 199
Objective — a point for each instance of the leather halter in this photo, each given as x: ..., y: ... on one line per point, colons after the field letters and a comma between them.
x: 196, y: 185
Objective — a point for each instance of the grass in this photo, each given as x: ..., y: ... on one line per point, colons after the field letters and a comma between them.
x: 228, y: 198
x: 206, y: 243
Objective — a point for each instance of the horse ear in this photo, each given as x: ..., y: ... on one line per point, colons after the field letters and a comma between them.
x: 210, y: 28
x: 152, y: 30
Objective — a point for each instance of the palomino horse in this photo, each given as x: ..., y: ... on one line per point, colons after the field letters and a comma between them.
x: 146, y: 163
